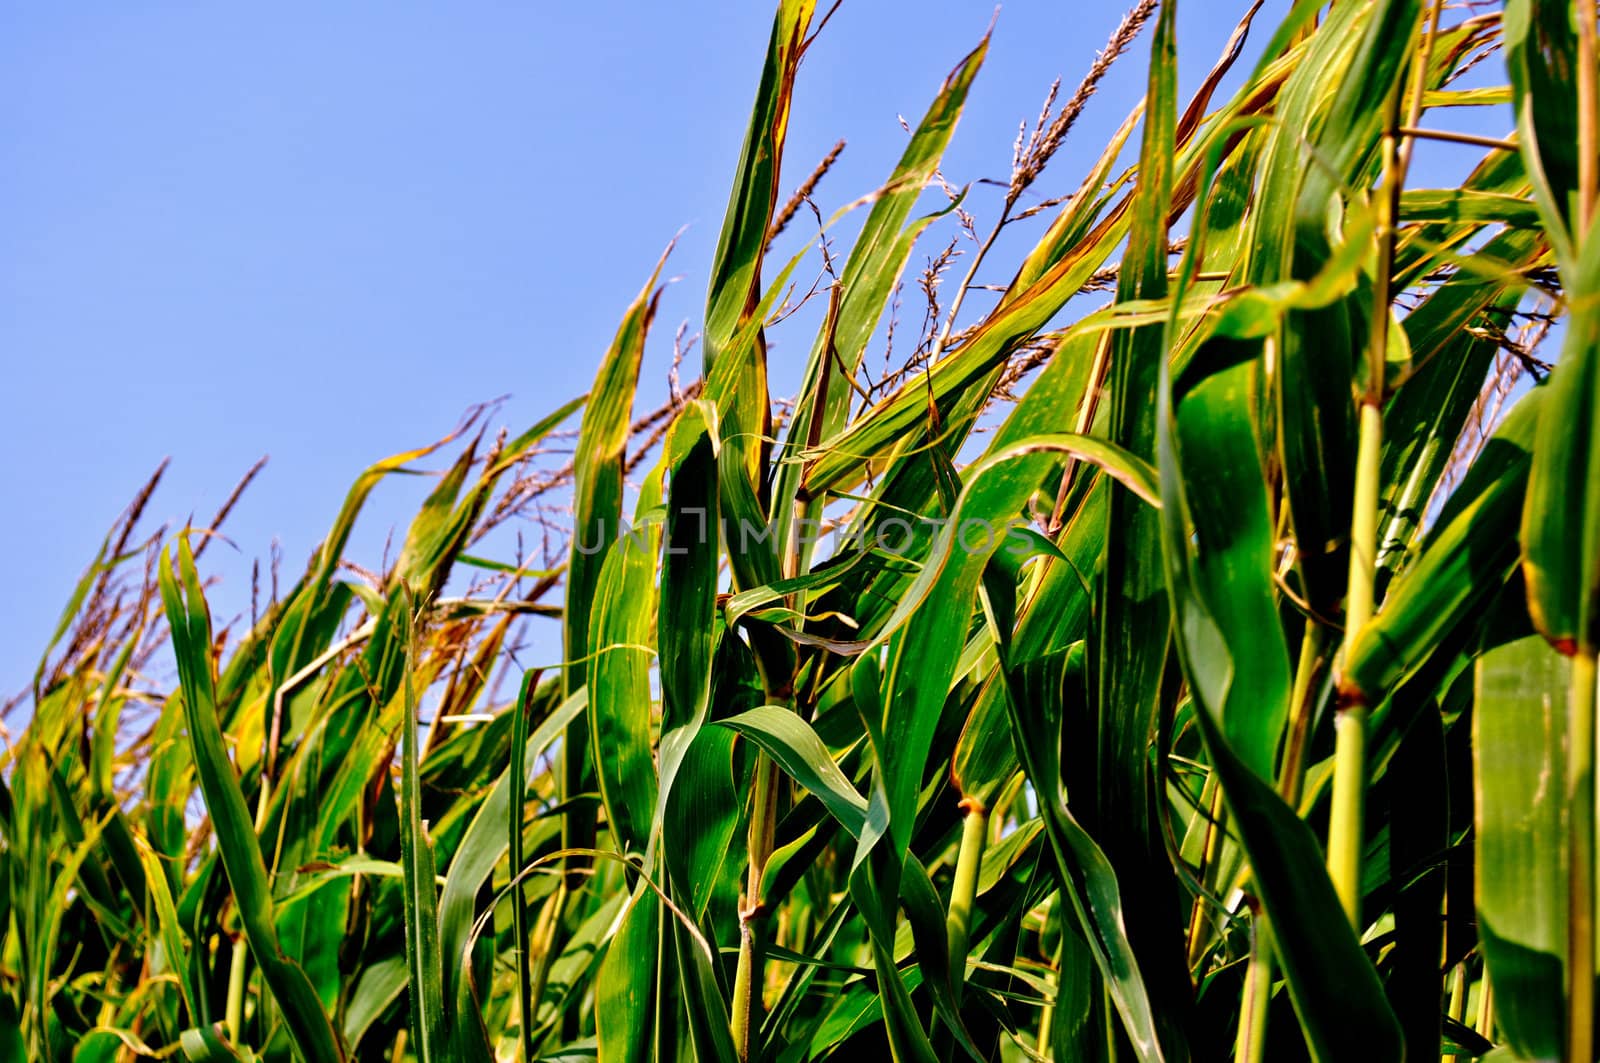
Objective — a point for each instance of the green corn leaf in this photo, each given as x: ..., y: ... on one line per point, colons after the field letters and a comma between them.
x: 314, y: 1037
x: 625, y: 987
x: 377, y: 988
x: 1518, y: 737
x: 935, y: 608
x: 791, y: 742
x: 1561, y: 518
x: 426, y: 540
x: 168, y: 929
x: 701, y: 816
x: 686, y: 620
x: 1230, y: 566
x: 430, y: 1025
x: 597, y: 474
x: 1465, y: 560
x: 527, y: 1008
x: 1331, y: 111
x: 734, y: 343
x: 619, y: 690
x: 1467, y: 205
x: 1541, y: 56
x: 705, y: 1004
x: 736, y: 268
x: 206, y: 1045
x: 596, y: 520
x: 1330, y: 981
x: 984, y: 759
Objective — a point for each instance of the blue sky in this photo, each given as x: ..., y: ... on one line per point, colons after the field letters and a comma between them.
x: 321, y: 232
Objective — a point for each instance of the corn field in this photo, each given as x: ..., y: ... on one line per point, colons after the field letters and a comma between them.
x: 1184, y: 648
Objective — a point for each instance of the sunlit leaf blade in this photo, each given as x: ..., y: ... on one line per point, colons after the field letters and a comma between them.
x: 314, y: 1036
x: 430, y: 1025
x: 597, y: 473
x: 1518, y: 735
x: 1561, y: 519
x: 1541, y: 57
x: 619, y: 689
x: 1230, y: 565
x: 736, y: 268
x: 625, y: 988
x: 596, y: 522
x: 795, y: 746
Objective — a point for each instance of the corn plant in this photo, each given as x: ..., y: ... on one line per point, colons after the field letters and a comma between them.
x: 1208, y: 671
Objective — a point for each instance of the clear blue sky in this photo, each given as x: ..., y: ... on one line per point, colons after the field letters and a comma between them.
x: 321, y: 232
